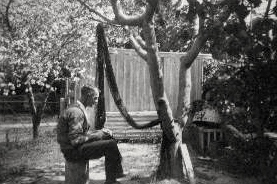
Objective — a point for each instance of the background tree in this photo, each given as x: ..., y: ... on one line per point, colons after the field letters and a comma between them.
x: 42, y: 40
x: 244, y: 89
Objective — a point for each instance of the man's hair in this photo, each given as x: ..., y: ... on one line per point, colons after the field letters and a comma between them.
x: 87, y: 90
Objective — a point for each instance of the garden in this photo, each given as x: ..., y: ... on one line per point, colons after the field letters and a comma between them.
x: 47, y: 45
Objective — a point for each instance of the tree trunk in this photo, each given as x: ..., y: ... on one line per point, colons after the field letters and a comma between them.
x: 33, y: 109
x: 171, y: 154
x: 36, y: 119
x: 171, y: 160
x: 36, y: 111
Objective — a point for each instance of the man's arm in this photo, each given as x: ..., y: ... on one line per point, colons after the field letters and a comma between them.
x: 75, y: 127
x: 76, y: 133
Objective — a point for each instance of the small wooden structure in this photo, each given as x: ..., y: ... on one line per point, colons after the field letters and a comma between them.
x: 77, y: 172
x: 207, y: 122
x: 208, y: 135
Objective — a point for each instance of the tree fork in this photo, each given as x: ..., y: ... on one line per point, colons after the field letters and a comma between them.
x: 172, y: 164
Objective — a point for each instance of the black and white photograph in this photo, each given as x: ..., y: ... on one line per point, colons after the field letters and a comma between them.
x: 138, y: 91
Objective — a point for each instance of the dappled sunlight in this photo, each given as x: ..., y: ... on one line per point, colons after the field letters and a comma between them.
x: 42, y: 162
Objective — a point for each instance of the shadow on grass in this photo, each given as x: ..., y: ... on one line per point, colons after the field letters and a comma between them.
x: 26, y: 175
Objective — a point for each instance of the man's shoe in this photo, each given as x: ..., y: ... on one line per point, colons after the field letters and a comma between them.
x: 120, y: 175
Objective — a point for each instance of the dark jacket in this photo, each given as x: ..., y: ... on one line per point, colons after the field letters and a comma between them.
x: 73, y: 129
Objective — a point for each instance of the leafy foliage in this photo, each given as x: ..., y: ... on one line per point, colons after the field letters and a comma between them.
x: 173, y: 30
x: 248, y: 80
x: 48, y: 38
x: 244, y: 88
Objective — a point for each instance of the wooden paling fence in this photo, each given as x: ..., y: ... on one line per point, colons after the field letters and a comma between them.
x: 133, y: 82
x: 122, y: 131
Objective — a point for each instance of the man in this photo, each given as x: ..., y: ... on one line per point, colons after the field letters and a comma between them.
x: 79, y: 141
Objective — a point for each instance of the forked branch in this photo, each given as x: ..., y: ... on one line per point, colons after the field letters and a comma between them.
x: 106, y: 19
x: 138, y: 47
x: 133, y: 20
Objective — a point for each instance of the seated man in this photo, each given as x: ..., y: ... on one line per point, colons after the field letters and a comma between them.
x: 79, y: 141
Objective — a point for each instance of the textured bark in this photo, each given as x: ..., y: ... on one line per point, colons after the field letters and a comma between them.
x: 36, y: 111
x: 101, y: 110
x: 175, y: 162
x: 171, y: 165
x: 171, y: 157
x: 36, y: 119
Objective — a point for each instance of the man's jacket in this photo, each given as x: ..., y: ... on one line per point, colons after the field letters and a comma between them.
x: 73, y: 128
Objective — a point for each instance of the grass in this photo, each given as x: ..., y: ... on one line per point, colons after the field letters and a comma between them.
x: 22, y: 155
x: 24, y: 160
x: 19, y: 156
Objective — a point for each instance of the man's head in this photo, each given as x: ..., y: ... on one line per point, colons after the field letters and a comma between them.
x: 89, y: 95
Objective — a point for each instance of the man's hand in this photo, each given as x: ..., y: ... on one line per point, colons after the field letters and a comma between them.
x: 108, y: 131
x: 97, y: 135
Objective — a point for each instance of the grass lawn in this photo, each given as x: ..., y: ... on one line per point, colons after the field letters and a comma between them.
x: 23, y: 160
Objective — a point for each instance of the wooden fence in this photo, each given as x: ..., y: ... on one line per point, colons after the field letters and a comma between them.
x: 133, y: 82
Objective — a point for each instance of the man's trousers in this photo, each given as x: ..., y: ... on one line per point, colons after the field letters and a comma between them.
x: 97, y: 149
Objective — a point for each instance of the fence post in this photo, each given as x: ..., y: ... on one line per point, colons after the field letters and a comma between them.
x: 67, y: 97
x: 75, y: 91
x: 7, y: 138
x: 62, y: 105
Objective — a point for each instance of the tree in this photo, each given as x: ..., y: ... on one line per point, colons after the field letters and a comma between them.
x: 172, y: 136
x: 207, y: 18
x: 43, y: 41
x: 244, y: 88
x: 249, y: 69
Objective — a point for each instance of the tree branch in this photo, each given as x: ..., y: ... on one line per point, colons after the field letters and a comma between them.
x: 7, y: 20
x: 44, y: 102
x: 187, y: 163
x: 96, y: 12
x: 178, y: 4
x: 188, y: 59
x: 137, y: 20
x: 236, y: 133
x: 194, y: 50
x: 267, y: 8
x: 203, y: 35
x: 201, y: 22
x: 141, y: 42
x: 30, y: 94
x: 140, y: 51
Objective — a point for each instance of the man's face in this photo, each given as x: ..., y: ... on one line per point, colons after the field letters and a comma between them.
x: 95, y: 98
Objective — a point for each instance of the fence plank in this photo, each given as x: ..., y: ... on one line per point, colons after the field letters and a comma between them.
x: 127, y: 76
x: 132, y: 76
